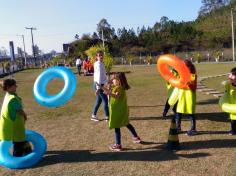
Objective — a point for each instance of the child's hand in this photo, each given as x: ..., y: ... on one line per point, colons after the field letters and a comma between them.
x: 107, y: 92
x: 97, y: 92
x: 25, y: 117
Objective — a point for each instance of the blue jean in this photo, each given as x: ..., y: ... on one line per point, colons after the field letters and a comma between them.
x: 178, y: 117
x: 118, y: 135
x: 101, y: 97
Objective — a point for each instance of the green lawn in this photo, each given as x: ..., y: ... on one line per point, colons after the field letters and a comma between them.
x: 79, y: 146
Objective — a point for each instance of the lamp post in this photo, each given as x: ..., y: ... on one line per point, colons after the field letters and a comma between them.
x: 232, y: 25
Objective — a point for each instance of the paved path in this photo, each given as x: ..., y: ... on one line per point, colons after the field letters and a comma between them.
x: 202, y: 88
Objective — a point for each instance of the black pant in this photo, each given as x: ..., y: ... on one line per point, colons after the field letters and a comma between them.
x: 167, y: 107
x: 21, y: 148
x: 233, y: 126
x: 79, y: 69
x: 178, y: 117
x: 118, y: 135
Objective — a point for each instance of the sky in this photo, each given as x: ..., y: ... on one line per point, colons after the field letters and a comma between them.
x: 57, y: 21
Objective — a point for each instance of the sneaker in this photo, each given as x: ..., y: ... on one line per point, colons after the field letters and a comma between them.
x: 94, y: 118
x: 178, y: 129
x: 231, y: 133
x: 191, y: 132
x: 115, y: 147
x: 164, y: 115
x: 106, y: 119
x: 137, y: 140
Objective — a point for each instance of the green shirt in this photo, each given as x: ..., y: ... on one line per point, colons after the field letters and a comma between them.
x: 12, y: 124
x: 118, y: 109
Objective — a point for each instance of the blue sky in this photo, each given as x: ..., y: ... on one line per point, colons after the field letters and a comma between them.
x: 57, y: 21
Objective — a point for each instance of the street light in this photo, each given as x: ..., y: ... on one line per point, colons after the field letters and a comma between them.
x: 232, y: 25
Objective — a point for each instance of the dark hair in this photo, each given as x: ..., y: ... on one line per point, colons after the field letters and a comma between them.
x: 5, y: 84
x: 233, y: 71
x: 190, y: 66
x: 123, y: 81
x: 100, y: 52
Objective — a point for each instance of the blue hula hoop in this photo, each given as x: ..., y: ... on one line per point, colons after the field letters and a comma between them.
x: 40, y: 92
x: 39, y: 148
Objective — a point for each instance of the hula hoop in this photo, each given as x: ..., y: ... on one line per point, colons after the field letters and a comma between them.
x: 39, y: 148
x: 40, y: 93
x: 164, y: 61
x: 226, y: 106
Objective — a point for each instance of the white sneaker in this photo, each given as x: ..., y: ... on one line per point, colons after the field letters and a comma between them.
x: 106, y: 119
x: 94, y: 118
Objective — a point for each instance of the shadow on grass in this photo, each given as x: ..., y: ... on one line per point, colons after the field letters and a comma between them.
x: 146, y: 106
x: 76, y: 156
x: 157, y: 153
x: 209, y: 101
x: 212, y: 132
x: 145, y: 118
x: 217, y: 143
x: 216, y: 116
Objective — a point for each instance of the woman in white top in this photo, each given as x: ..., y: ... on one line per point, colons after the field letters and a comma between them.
x: 100, y: 79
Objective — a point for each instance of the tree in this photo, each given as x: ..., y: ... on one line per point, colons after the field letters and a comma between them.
x: 210, y: 5
x: 76, y: 36
x: 104, y: 27
x: 95, y: 36
x: 107, y: 58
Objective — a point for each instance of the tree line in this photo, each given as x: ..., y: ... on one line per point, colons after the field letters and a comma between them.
x: 211, y: 30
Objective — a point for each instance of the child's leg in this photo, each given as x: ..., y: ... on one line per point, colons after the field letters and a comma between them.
x: 233, y: 126
x: 18, y: 149
x: 118, y: 136
x: 27, y: 148
x: 136, y: 138
x: 174, y: 107
x: 193, y: 122
x: 166, y: 108
x: 132, y: 130
x: 178, y: 117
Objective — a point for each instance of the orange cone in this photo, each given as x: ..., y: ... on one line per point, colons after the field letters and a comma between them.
x: 173, y: 139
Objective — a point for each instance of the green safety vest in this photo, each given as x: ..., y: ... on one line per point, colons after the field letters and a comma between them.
x: 230, y: 90
x: 12, y: 125
x: 118, y: 109
x: 187, y: 100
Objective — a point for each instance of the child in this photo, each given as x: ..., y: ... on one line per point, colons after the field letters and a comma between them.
x: 230, y: 90
x: 187, y: 101
x: 12, y: 121
x: 118, y: 110
x: 170, y: 89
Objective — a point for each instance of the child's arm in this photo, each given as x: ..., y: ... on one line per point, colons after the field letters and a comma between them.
x: 22, y: 112
x: 116, y: 95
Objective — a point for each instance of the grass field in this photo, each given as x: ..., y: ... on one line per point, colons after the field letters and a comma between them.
x: 79, y: 146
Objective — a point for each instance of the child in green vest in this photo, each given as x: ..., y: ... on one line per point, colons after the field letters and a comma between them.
x: 118, y: 110
x: 170, y: 89
x: 230, y: 90
x: 187, y: 101
x: 12, y: 120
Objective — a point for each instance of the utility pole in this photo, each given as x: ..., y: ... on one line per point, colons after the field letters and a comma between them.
x: 31, y: 29
x: 232, y: 25
x: 103, y: 42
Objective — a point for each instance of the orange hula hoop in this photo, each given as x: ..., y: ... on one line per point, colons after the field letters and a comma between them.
x: 163, y: 63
